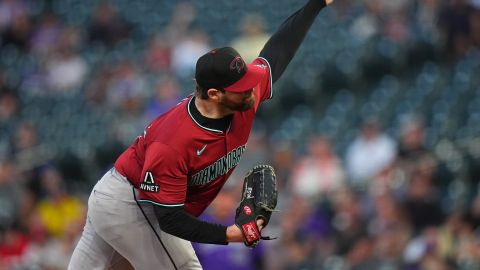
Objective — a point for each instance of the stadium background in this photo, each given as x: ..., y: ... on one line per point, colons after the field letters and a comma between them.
x: 374, y: 128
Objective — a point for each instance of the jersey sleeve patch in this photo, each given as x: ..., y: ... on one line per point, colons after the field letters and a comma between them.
x: 164, y: 176
x: 148, y: 183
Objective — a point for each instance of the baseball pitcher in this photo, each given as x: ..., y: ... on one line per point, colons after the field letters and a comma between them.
x: 143, y: 212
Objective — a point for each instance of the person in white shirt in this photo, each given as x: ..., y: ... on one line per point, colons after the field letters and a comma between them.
x: 370, y: 153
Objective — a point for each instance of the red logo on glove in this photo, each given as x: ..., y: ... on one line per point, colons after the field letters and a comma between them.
x: 251, y: 232
x: 247, y: 210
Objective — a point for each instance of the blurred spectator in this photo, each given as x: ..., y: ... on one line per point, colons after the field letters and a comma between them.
x: 126, y: 95
x: 36, y: 230
x: 13, y: 248
x: 234, y: 256
x: 422, y: 204
x: 319, y: 172
x: 25, y: 138
x: 66, y: 69
x: 283, y: 159
x: 26, y: 148
x: 252, y: 37
x: 55, y: 253
x: 187, y: 51
x: 126, y: 90
x: 97, y: 88
x: 125, y: 129
x: 385, y: 18
x: 45, y: 34
x: 184, y: 13
x: 166, y: 96
x: 107, y: 153
x: 473, y: 213
x: 18, y: 34
x: 475, y: 27
x: 368, y: 24
x: 447, y: 236
x: 293, y: 250
x: 423, y: 250
x: 388, y: 214
x: 455, y: 26
x: 4, y: 87
x: 362, y: 255
x: 106, y: 26
x: 413, y: 155
x: 10, y: 10
x: 411, y: 148
x: 10, y: 194
x: 389, y: 248
x: 396, y: 21
x: 412, y: 142
x: 369, y: 154
x: 9, y: 108
x: 186, y: 44
x: 467, y: 253
x: 57, y: 209
x: 347, y: 220
x: 426, y: 16
x: 9, y: 116
x: 158, y: 56
x: 14, y: 240
x: 390, y: 230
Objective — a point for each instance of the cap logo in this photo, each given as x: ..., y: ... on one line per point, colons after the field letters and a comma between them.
x: 237, y: 64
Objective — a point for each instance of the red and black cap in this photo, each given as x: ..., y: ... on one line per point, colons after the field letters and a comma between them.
x: 224, y: 68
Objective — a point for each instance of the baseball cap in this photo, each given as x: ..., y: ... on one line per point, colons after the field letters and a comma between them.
x: 224, y: 68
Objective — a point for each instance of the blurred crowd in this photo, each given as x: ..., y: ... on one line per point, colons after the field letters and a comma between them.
x: 386, y: 202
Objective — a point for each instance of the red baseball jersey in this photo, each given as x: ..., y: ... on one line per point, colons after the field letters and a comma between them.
x: 179, y: 162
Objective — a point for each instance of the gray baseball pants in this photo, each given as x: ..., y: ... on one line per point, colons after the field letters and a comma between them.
x: 117, y: 235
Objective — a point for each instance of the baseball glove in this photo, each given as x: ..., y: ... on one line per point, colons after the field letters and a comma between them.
x: 259, y: 199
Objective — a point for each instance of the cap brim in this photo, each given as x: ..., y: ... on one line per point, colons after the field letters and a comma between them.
x: 252, y: 78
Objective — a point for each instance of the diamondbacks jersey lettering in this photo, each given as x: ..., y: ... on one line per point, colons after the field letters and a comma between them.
x: 220, y: 167
x: 190, y: 163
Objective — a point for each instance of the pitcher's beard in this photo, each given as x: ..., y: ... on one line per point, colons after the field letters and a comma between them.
x: 243, y: 106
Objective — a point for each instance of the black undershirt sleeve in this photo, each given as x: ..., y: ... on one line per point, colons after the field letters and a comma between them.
x: 177, y: 222
x: 283, y: 44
